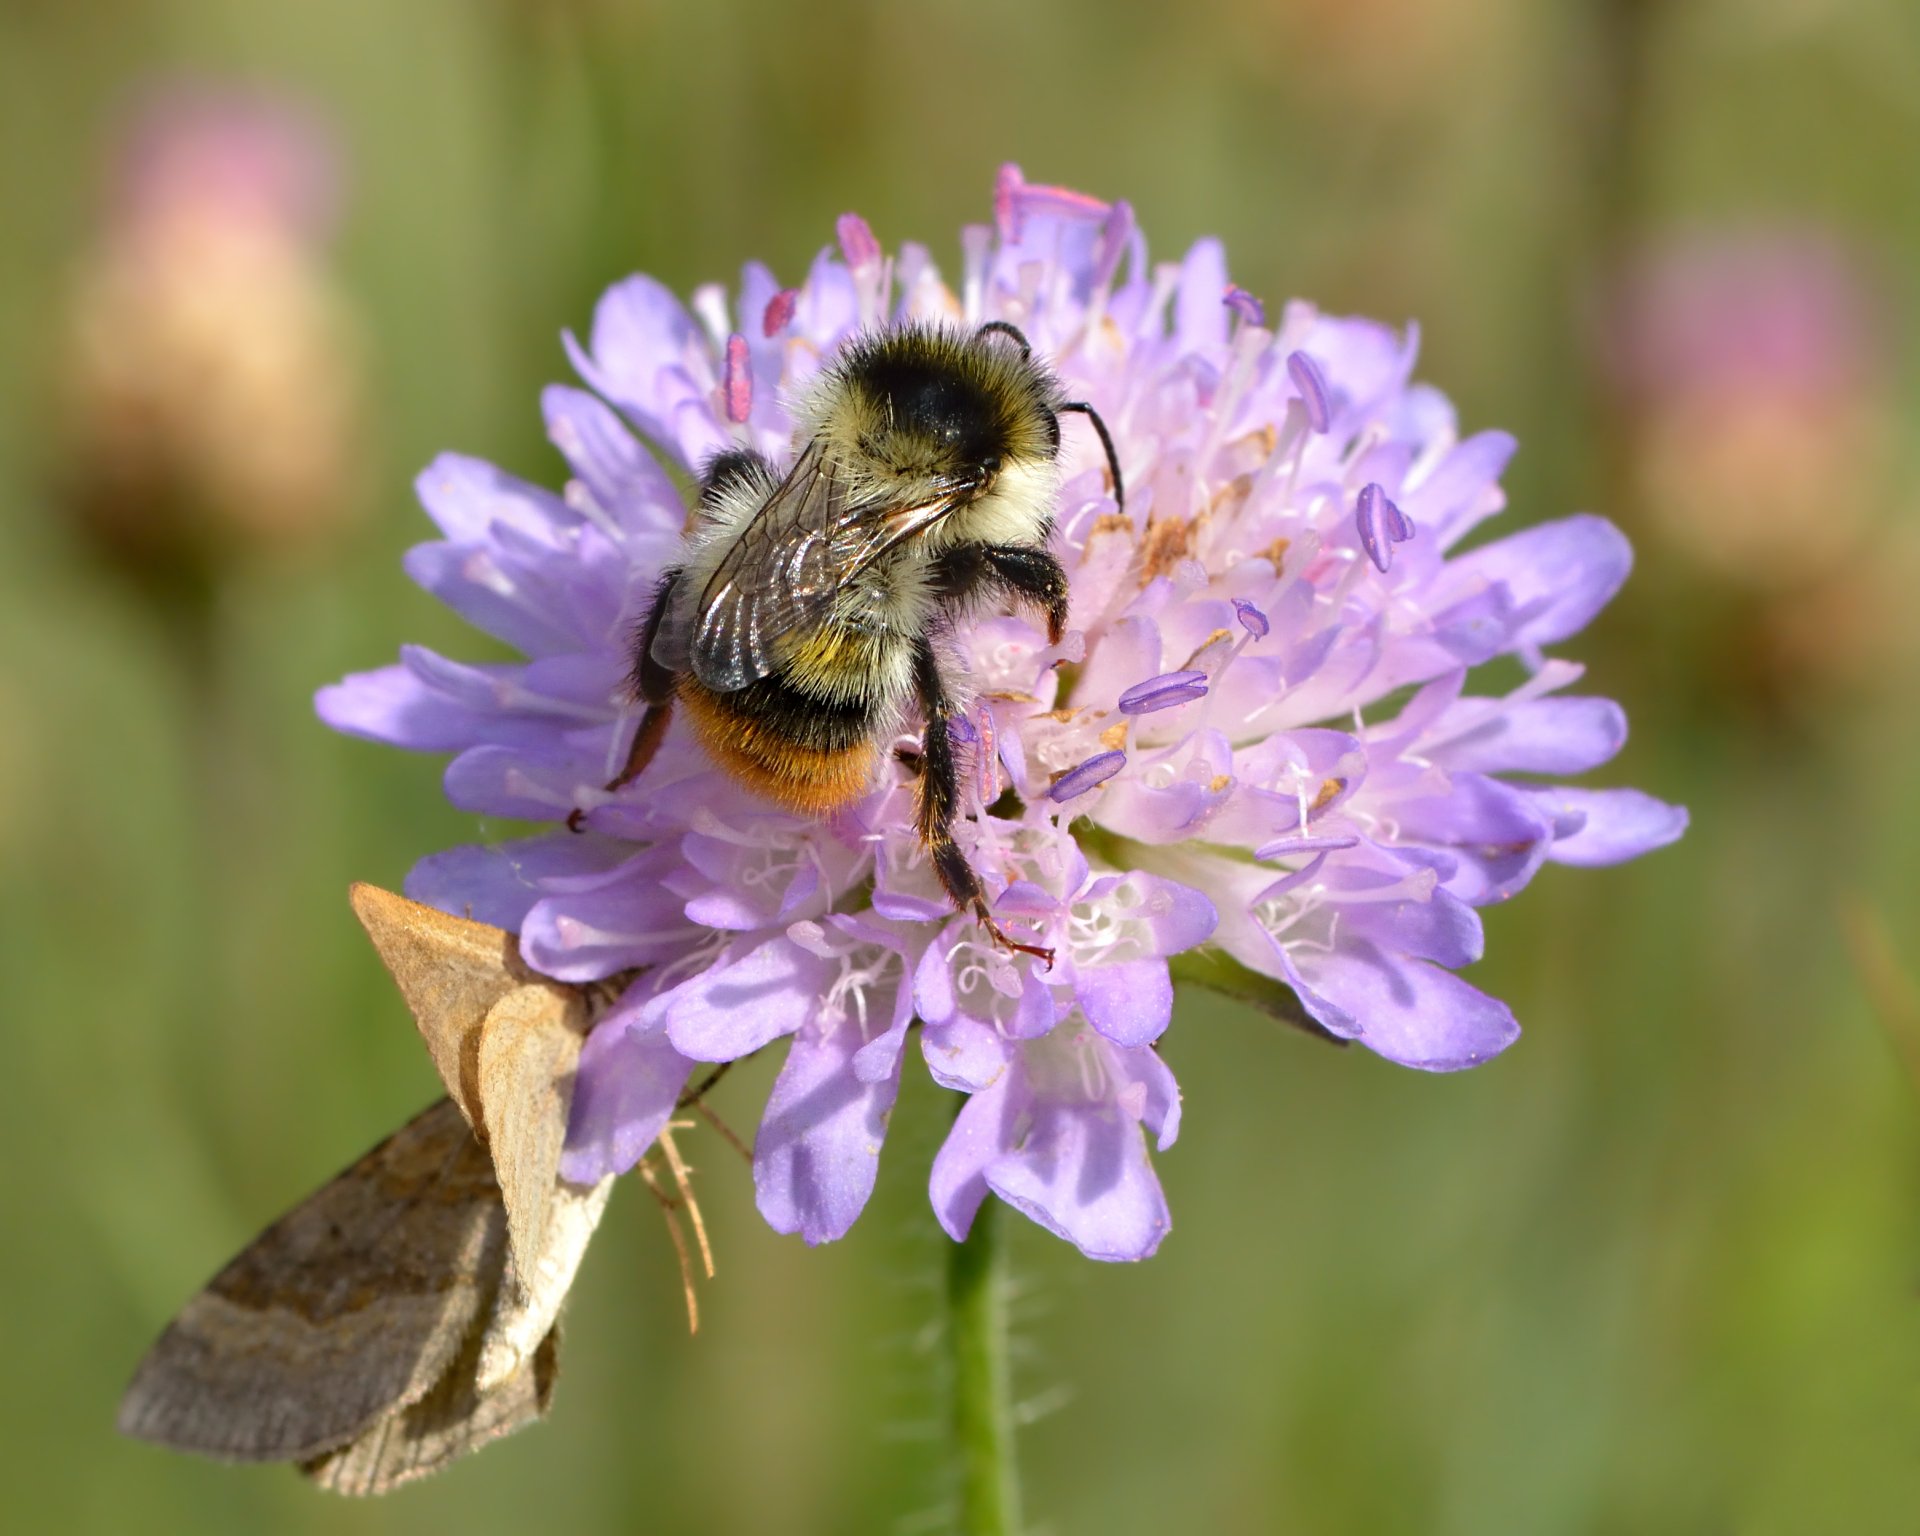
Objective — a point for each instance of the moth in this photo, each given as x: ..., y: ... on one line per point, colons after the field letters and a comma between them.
x: 407, y: 1312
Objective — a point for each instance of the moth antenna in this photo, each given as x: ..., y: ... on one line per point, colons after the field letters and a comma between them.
x: 671, y: 1209
x: 1106, y: 442
x: 684, y: 1183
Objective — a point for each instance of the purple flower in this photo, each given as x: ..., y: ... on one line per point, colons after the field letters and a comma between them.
x: 1211, y: 754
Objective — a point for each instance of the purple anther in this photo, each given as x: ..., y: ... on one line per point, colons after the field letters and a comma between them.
x: 960, y: 729
x: 1291, y: 845
x: 1399, y: 525
x: 1252, y: 620
x: 1370, y: 516
x: 779, y: 312
x: 1163, y: 692
x: 736, y: 388
x: 1078, y: 780
x: 856, y: 241
x: 1312, y: 384
x: 1245, y: 305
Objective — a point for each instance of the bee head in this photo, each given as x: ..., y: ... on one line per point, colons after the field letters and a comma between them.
x: 918, y: 412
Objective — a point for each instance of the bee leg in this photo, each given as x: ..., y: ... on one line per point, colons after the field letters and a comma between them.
x: 651, y: 683
x: 1022, y: 570
x: 939, y: 800
x: 1031, y: 572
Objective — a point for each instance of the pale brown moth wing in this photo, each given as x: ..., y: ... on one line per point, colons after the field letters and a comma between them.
x: 787, y: 565
x: 528, y: 1050
x: 350, y: 1307
x: 451, y: 971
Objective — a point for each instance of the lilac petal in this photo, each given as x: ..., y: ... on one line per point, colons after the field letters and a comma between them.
x: 818, y: 1151
x: 1082, y: 1172
x: 499, y: 884
x: 626, y: 919
x: 618, y: 473
x: 1464, y: 489
x: 1559, y: 574
x: 1077, y: 780
x: 982, y: 1133
x: 964, y: 1053
x: 475, y: 583
x: 1312, y: 384
x: 1619, y: 824
x: 1498, y: 834
x: 1370, y: 517
x: 1252, y: 620
x: 627, y: 1084
x: 397, y: 706
x: 469, y: 497
x: 1406, y: 1010
x: 1130, y: 1002
x: 643, y: 341
x: 1166, y: 691
x: 1150, y: 1090
x: 1567, y: 735
x: 1177, y: 915
x: 1199, y: 305
x: 730, y: 1011
x: 511, y: 781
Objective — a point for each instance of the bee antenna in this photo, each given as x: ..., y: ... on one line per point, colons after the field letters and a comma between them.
x: 1009, y: 329
x: 1106, y: 442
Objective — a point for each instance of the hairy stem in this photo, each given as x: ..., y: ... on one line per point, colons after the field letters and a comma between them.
x: 982, y: 1406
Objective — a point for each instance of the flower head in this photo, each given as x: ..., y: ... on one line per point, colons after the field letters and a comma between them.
x: 1256, y: 732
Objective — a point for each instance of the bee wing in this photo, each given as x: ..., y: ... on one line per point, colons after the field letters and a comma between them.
x: 785, y: 567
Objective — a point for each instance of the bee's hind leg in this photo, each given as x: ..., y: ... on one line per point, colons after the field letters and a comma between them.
x: 650, y: 682
x: 939, y: 800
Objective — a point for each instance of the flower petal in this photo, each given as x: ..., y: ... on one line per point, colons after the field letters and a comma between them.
x: 1617, y: 825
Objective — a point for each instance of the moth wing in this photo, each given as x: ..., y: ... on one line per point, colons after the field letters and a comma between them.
x: 353, y: 1305
x: 455, y: 1419
x: 528, y: 1050
x: 451, y: 971
x: 501, y: 1381
x: 811, y: 536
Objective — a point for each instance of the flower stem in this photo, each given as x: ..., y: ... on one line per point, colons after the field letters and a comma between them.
x: 982, y: 1409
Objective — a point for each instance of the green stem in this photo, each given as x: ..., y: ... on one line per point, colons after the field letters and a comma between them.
x: 982, y: 1406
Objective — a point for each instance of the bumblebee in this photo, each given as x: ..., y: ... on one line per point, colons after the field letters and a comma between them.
x: 805, y: 609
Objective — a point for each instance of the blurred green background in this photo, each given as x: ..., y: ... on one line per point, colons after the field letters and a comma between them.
x: 1654, y: 1270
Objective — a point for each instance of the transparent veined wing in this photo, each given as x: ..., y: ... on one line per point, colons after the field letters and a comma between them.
x: 785, y: 567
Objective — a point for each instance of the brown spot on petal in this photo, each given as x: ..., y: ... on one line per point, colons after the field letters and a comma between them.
x: 1169, y: 540
x: 1114, y: 737
x: 1329, y: 792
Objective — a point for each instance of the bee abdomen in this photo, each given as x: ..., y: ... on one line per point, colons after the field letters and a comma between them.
x: 811, y: 753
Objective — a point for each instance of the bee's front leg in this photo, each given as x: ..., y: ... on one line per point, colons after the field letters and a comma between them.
x: 1026, y: 571
x: 939, y: 802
